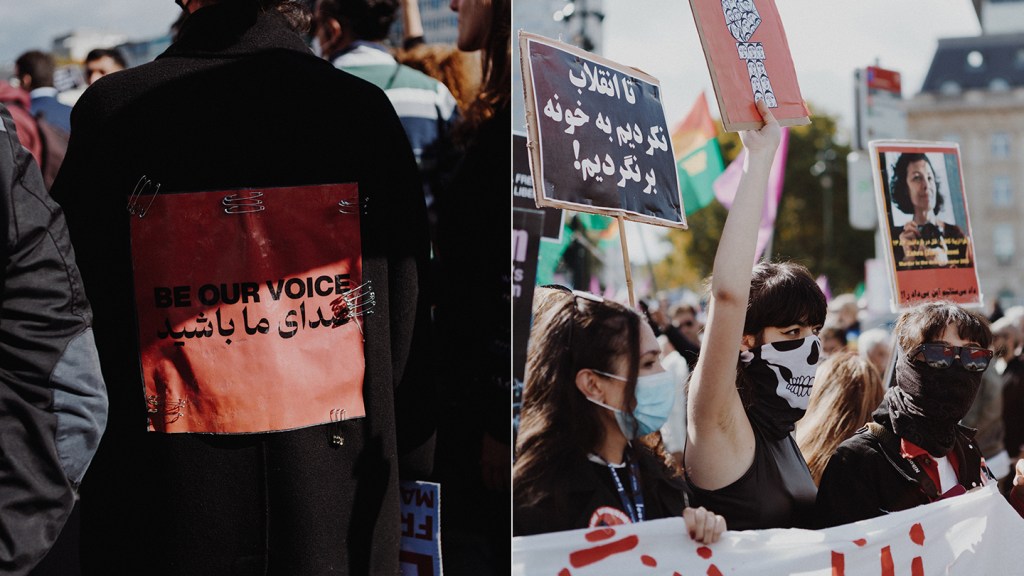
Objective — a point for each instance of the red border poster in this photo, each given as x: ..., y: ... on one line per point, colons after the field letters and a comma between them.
x: 922, y: 209
x: 248, y: 305
x: 749, y: 59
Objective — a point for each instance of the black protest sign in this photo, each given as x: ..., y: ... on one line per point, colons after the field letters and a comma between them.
x: 600, y: 140
x: 522, y: 189
x: 526, y: 234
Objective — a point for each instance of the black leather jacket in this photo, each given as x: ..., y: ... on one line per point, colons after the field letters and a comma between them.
x: 868, y: 477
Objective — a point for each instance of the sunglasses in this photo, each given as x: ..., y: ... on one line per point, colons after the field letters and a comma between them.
x: 938, y: 355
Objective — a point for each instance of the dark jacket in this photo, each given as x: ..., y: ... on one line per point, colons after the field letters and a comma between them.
x: 868, y: 477
x: 239, y: 101
x: 581, y: 488
x: 53, y: 403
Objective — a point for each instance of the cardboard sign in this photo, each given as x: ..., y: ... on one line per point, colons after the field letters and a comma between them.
x: 922, y: 211
x: 749, y: 60
x: 248, y: 305
x: 976, y: 533
x: 420, y: 547
x: 522, y: 190
x: 599, y: 142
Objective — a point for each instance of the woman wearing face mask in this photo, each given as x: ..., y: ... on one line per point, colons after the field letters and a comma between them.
x: 914, y: 451
x: 741, y: 459
x: 924, y: 241
x: 595, y: 394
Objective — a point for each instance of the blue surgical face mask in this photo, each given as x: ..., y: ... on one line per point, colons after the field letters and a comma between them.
x: 655, y: 395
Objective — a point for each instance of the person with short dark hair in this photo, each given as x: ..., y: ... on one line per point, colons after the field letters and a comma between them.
x: 258, y: 450
x: 34, y: 69
x: 924, y: 240
x: 102, y: 61
x: 914, y: 450
x: 756, y: 368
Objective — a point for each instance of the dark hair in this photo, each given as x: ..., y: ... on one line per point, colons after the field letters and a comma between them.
x: 571, y: 332
x: 926, y: 323
x: 295, y: 12
x: 112, y: 53
x: 834, y: 331
x: 369, y: 19
x: 899, y: 189
x: 38, y: 66
x: 781, y: 294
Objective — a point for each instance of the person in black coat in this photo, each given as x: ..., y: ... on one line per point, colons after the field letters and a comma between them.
x: 914, y: 451
x: 238, y: 101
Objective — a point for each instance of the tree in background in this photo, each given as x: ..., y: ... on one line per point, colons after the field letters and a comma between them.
x: 814, y: 164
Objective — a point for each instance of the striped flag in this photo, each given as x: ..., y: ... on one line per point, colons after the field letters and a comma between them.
x: 698, y: 157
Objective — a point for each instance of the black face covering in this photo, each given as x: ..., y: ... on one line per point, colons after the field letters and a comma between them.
x: 927, y: 403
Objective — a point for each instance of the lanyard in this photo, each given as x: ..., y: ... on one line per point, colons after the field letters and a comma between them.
x: 634, y: 506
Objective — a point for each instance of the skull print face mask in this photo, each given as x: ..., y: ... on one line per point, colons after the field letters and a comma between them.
x: 780, y: 377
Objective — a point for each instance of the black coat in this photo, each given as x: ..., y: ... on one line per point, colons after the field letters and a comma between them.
x: 238, y: 101
x: 868, y: 477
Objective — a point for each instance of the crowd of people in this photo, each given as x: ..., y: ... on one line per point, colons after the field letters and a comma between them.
x: 431, y: 336
x: 795, y: 417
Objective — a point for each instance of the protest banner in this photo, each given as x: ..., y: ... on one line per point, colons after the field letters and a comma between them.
x: 975, y: 533
x: 599, y: 142
x: 248, y: 306
x: 420, y: 546
x: 922, y: 211
x: 522, y: 189
x: 749, y: 59
x: 526, y: 234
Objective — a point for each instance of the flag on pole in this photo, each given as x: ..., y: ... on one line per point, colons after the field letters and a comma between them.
x: 729, y: 181
x: 698, y: 157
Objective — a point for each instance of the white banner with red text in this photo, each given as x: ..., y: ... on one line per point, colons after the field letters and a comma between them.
x: 976, y: 533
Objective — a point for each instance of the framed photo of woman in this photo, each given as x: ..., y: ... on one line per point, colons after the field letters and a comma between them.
x: 922, y: 209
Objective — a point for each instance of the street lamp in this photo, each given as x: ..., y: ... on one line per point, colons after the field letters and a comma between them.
x: 574, y: 9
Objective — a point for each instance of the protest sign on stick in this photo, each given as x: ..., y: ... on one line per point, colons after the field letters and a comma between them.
x: 420, y: 547
x: 599, y: 141
x: 922, y: 210
x: 749, y: 59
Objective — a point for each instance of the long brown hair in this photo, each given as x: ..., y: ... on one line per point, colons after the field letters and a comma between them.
x: 847, y: 389
x: 571, y: 332
x: 496, y: 62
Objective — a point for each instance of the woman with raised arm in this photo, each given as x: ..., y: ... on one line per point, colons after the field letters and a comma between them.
x: 741, y: 459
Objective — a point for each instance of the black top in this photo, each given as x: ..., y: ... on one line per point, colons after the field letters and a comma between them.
x: 584, y: 495
x: 777, y: 491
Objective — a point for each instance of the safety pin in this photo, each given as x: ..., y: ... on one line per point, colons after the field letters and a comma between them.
x: 353, y: 205
x: 358, y: 301
x: 140, y: 187
x: 337, y: 415
x: 177, y: 408
x: 239, y: 204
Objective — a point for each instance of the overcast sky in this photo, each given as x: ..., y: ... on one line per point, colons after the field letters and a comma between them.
x: 828, y: 40
x: 32, y: 24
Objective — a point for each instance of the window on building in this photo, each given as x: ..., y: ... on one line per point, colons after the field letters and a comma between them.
x: 1005, y: 244
x: 1002, y: 191
x: 975, y: 60
x: 1000, y: 145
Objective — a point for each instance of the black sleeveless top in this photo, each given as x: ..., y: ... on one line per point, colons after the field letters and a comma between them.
x: 777, y: 491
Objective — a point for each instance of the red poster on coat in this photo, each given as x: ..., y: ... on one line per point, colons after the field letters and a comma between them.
x: 249, y: 306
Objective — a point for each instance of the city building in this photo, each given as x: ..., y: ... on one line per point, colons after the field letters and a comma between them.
x: 973, y: 94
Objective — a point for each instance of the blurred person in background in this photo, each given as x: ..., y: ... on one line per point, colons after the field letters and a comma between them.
x: 843, y: 311
x: 473, y: 310
x: 34, y: 69
x: 102, y: 61
x: 986, y: 414
x: 1008, y: 342
x: 458, y: 70
x: 833, y: 340
x: 875, y: 345
x: 847, y: 389
x: 673, y: 433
